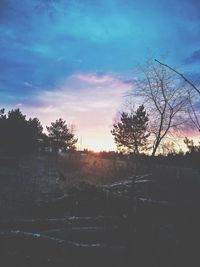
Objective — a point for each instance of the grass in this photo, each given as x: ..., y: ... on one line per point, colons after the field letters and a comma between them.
x: 77, y: 168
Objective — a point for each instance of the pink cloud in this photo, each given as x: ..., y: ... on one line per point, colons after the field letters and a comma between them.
x: 91, y: 108
x: 93, y: 78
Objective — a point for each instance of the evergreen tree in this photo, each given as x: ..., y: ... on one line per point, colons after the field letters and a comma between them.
x: 17, y: 134
x: 131, y: 132
x: 61, y: 136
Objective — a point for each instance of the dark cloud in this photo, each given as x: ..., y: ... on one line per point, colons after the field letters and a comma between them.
x: 100, y: 73
x: 129, y: 81
x: 195, y: 57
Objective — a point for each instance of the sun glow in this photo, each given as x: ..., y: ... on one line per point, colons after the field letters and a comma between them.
x: 97, y: 143
x: 99, y: 147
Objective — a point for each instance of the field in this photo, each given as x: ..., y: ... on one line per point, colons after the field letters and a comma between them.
x: 78, y: 168
x: 87, y: 211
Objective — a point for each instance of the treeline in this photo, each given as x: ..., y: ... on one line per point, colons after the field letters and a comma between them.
x: 188, y: 159
x: 167, y: 108
x: 19, y: 135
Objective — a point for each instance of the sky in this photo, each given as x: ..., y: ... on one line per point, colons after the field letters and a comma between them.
x: 75, y: 59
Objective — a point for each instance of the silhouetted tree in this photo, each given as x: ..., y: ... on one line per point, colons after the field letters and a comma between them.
x: 61, y: 136
x: 18, y: 135
x: 191, y: 146
x: 192, y: 97
x: 166, y: 100
x: 131, y: 132
x: 193, y: 153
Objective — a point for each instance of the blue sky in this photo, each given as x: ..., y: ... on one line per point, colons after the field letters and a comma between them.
x: 77, y: 48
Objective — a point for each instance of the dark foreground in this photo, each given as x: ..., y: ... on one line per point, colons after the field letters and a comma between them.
x: 124, y: 224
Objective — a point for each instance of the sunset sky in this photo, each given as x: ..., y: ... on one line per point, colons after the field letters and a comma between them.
x: 75, y: 59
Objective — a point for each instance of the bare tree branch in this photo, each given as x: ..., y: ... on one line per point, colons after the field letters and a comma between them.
x: 165, y: 98
x: 180, y: 74
x: 195, y: 120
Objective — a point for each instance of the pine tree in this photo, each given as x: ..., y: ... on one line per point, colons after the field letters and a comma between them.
x: 131, y: 132
x: 61, y: 136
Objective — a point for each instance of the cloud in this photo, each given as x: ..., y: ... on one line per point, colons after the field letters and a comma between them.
x: 193, y: 58
x: 94, y: 79
x: 91, y: 109
x: 44, y: 41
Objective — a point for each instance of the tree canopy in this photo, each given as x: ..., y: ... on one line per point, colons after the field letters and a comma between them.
x: 61, y: 136
x: 17, y: 134
x: 131, y: 132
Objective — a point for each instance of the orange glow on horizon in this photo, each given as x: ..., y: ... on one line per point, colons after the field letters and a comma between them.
x: 98, y: 148
x: 96, y: 142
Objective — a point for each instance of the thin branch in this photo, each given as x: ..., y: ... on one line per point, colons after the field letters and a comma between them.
x: 180, y: 74
x: 195, y: 120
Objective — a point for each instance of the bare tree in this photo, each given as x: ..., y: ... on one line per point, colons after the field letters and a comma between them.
x: 165, y: 98
x: 180, y: 74
x: 191, y: 110
x: 168, y: 148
